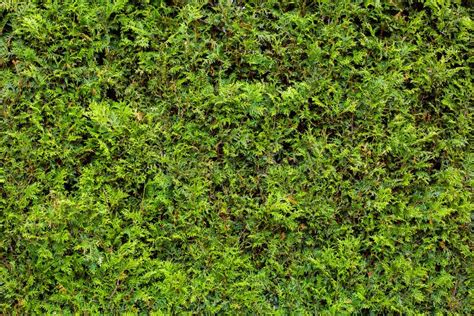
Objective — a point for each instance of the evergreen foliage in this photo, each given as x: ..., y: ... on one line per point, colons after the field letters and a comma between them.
x: 246, y: 157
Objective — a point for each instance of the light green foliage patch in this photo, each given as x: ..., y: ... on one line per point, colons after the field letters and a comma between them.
x: 236, y: 157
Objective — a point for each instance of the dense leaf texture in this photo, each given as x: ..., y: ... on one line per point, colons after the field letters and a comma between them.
x: 236, y: 156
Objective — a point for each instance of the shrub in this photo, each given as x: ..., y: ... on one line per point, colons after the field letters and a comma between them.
x: 236, y: 157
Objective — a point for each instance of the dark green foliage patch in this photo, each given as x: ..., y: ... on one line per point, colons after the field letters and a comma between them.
x: 246, y: 157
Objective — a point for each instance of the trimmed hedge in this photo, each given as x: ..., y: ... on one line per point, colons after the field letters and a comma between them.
x: 246, y: 157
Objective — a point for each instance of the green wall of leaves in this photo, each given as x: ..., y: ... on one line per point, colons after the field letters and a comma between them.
x: 250, y: 157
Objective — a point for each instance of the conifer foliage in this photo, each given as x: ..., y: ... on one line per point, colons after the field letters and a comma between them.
x: 249, y: 157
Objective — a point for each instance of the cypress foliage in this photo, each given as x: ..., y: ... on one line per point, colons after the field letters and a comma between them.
x: 236, y: 157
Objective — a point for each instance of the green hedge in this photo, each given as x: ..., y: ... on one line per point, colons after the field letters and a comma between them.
x: 242, y: 157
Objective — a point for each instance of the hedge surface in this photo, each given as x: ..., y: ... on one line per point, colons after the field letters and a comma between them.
x: 247, y: 157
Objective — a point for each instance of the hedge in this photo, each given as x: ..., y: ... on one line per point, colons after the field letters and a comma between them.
x: 236, y: 157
